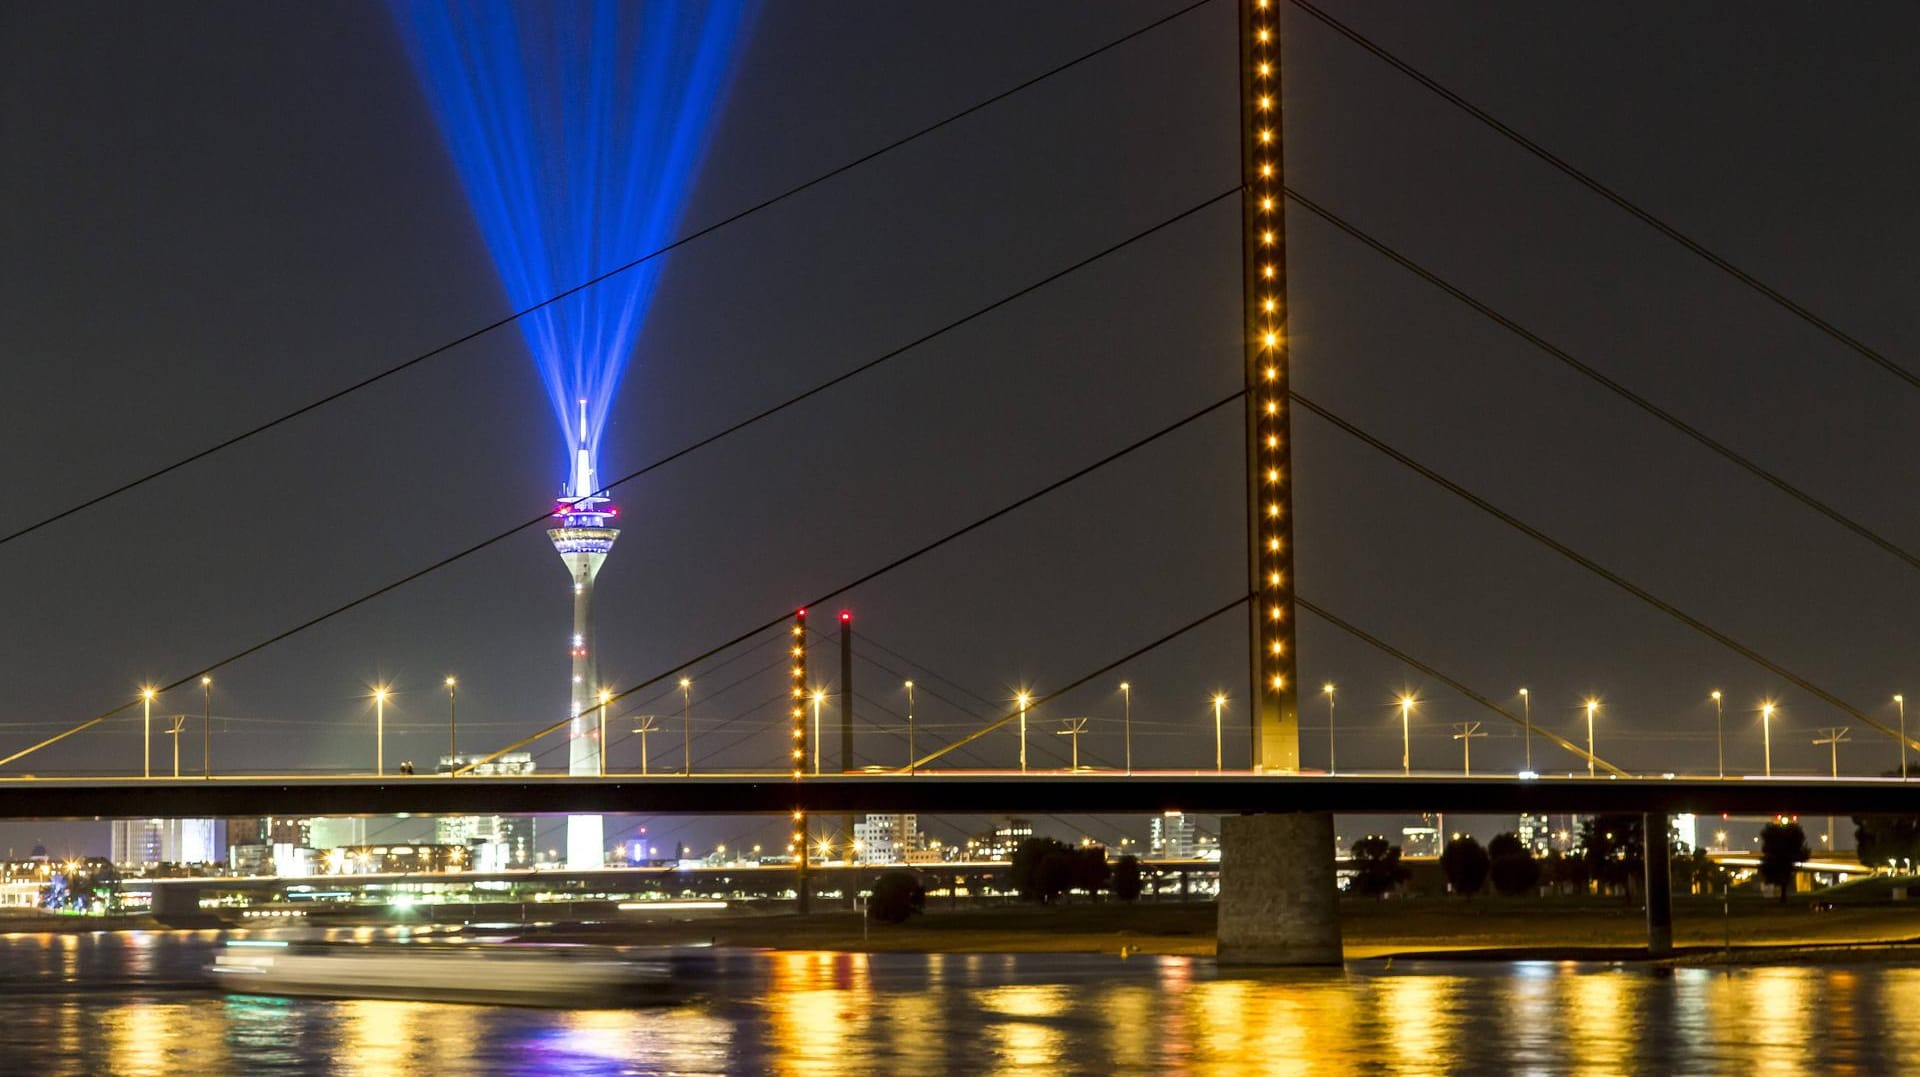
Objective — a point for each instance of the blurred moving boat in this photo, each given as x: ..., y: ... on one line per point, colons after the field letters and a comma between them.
x: 499, y: 974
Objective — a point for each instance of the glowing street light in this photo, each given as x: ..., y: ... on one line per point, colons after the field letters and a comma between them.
x: 819, y: 697
x: 380, y: 730
x: 453, y: 736
x: 1126, y: 720
x: 1719, y: 732
x: 1023, y: 699
x: 1328, y: 689
x: 1406, y: 734
x: 1219, y: 702
x: 686, y: 723
x: 1901, y: 700
x: 1526, y: 724
x: 206, y: 728
x: 600, y: 749
x: 911, y: 757
x: 1766, y: 735
x: 146, y: 730
x: 1592, y: 705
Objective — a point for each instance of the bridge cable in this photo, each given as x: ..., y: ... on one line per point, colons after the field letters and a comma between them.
x: 686, y: 450
x: 1597, y: 569
x: 1645, y: 216
x: 1733, y: 456
x: 590, y: 282
x: 905, y: 558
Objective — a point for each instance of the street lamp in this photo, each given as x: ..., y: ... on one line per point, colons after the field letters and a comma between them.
x: 911, y: 758
x: 1719, y: 733
x: 1219, y: 701
x: 1406, y: 734
x: 380, y: 731
x: 686, y: 722
x: 600, y: 749
x: 1126, y: 720
x: 1766, y: 735
x: 1023, y: 699
x: 1592, y: 705
x: 1526, y: 725
x: 1902, y: 701
x: 1328, y: 688
x: 453, y: 737
x: 819, y: 697
x: 146, y: 731
x: 206, y: 728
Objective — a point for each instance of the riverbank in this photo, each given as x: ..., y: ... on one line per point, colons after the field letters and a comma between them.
x: 1451, y: 930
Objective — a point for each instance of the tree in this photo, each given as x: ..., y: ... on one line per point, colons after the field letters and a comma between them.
x: 1514, y: 870
x: 1126, y: 878
x: 1613, y: 851
x: 1090, y: 870
x: 1042, y: 869
x: 1887, y: 840
x: 1376, y: 867
x: 896, y: 896
x: 1466, y: 865
x: 1783, y: 847
x: 1567, y: 874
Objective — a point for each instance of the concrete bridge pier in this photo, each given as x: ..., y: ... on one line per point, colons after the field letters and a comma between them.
x: 1279, y: 904
x: 1659, y: 860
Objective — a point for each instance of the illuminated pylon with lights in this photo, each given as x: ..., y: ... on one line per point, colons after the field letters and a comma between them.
x: 1276, y: 713
x: 583, y: 536
x: 798, y: 677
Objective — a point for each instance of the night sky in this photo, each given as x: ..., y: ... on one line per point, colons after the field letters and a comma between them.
x: 217, y: 212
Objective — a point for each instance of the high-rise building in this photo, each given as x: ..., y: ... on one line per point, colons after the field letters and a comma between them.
x: 498, y: 841
x: 584, y: 537
x: 1172, y: 836
x: 1535, y: 833
x: 326, y: 834
x: 886, y: 839
x: 146, y: 842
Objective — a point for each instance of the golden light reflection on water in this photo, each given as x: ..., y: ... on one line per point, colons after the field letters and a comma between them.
x: 399, y: 1039
x: 1759, y: 1013
x: 1028, y: 1040
x: 1417, y: 1017
x: 818, y: 1003
x: 1131, y: 1014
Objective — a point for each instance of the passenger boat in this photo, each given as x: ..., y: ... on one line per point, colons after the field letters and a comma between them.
x: 510, y: 974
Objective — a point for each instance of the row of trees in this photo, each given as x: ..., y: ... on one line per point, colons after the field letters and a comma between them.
x: 1611, y: 857
x: 1043, y: 871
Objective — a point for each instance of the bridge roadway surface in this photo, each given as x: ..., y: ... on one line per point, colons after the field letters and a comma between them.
x: 943, y: 792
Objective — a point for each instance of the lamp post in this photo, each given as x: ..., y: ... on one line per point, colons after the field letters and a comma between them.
x: 1406, y: 734
x: 1766, y: 736
x: 646, y: 727
x: 1901, y: 700
x: 1023, y: 699
x: 1526, y: 724
x: 1219, y: 702
x: 146, y: 731
x: 686, y: 723
x: 178, y: 727
x: 453, y: 736
x: 206, y: 728
x: 1328, y: 688
x: 600, y: 749
x: 1464, y: 732
x: 1126, y: 720
x: 380, y: 731
x: 911, y: 757
x: 1075, y: 727
x: 1719, y: 733
x: 1592, y: 705
x: 819, y: 696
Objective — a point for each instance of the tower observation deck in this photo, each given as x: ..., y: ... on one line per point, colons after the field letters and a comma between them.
x: 583, y: 536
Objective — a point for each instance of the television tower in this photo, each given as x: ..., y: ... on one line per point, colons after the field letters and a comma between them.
x: 583, y: 537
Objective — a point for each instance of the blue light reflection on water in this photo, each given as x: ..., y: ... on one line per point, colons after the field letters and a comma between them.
x: 122, y: 1005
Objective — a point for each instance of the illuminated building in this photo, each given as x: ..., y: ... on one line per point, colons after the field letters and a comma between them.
x: 1535, y: 833
x: 583, y: 537
x: 1173, y: 836
x: 887, y: 838
x: 142, y: 842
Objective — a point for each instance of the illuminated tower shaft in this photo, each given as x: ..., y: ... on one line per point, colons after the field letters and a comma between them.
x: 583, y: 538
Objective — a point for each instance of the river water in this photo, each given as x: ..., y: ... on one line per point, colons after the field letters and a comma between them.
x: 137, y: 1003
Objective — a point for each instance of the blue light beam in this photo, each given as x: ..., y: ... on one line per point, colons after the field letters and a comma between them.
x: 576, y: 129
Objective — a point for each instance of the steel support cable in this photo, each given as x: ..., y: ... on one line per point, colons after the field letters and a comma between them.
x: 1013, y: 716
x: 1461, y: 687
x: 1644, y: 216
x: 905, y: 558
x: 1731, y: 455
x: 1597, y: 569
x: 625, y: 267
x: 686, y: 450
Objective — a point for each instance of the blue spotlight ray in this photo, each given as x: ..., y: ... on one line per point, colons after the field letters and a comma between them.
x: 576, y: 129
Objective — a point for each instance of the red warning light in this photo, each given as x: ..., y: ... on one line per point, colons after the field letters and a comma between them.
x: 845, y: 616
x: 802, y: 612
